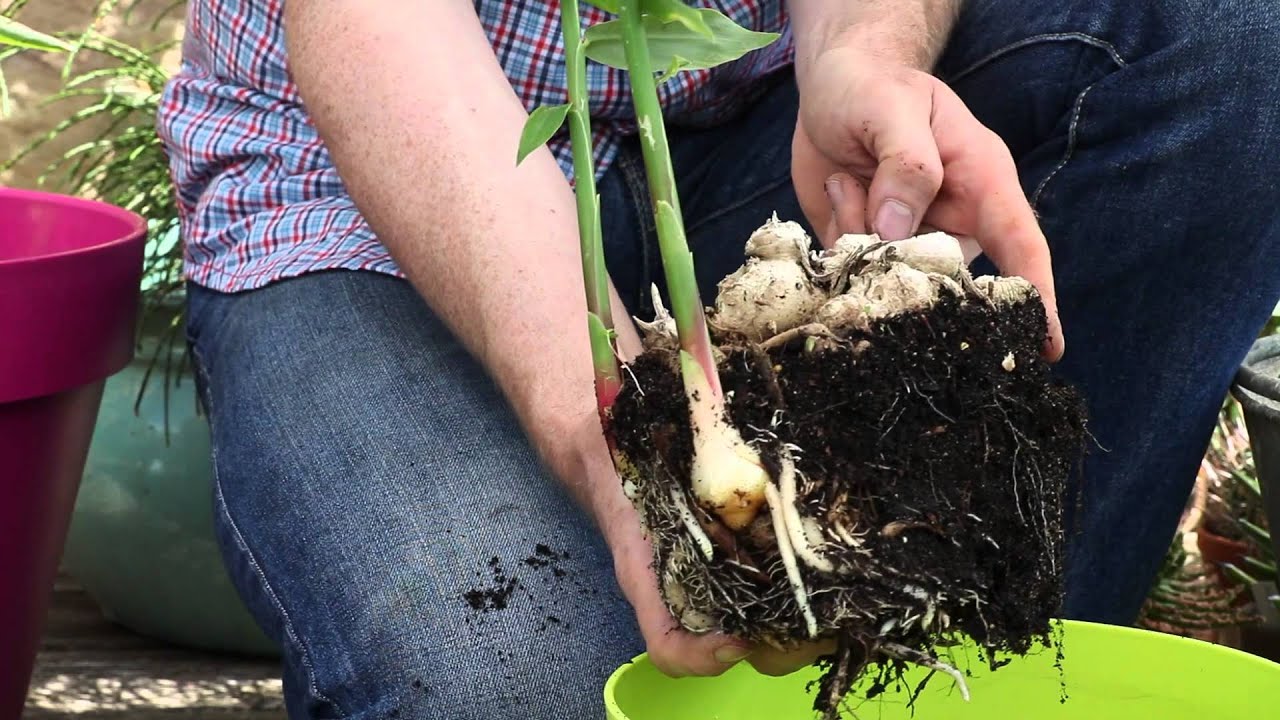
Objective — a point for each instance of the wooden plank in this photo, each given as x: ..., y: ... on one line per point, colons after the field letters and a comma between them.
x: 91, y: 669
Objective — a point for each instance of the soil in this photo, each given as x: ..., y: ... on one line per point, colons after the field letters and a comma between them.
x: 503, y: 587
x: 949, y: 468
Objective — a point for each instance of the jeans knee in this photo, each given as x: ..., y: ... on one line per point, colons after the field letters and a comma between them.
x: 1238, y: 49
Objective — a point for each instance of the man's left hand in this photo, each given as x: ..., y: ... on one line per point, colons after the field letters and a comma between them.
x: 884, y: 147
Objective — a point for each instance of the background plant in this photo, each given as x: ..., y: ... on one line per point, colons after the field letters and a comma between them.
x: 16, y: 37
x: 1188, y: 595
x: 1187, y: 599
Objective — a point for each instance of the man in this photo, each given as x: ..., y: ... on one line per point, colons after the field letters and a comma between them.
x: 388, y: 319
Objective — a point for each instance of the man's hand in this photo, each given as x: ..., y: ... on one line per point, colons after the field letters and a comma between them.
x: 883, y: 146
x: 673, y: 650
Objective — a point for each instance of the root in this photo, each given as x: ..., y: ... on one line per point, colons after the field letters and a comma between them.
x: 764, y: 366
x: 795, y: 333
x: 904, y: 653
x: 789, y: 558
x: 971, y: 287
x: 691, y: 523
x: 791, y: 516
x: 839, y: 682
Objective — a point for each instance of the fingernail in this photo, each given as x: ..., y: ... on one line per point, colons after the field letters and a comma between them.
x: 894, y: 221
x: 730, y: 654
x: 835, y: 191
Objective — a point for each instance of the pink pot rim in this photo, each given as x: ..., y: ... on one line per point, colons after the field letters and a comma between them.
x: 138, y: 225
x: 75, y: 307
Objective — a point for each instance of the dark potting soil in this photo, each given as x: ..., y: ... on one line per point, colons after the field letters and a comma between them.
x: 948, y: 462
x: 503, y: 588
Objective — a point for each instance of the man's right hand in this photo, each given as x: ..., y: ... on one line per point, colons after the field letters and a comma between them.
x: 672, y: 649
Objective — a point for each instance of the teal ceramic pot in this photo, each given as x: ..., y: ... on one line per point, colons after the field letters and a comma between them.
x: 141, y: 540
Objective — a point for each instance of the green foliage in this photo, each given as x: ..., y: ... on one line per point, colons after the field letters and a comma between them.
x: 15, y: 38
x: 538, y: 129
x: 14, y: 33
x: 664, y: 11
x: 1273, y: 325
x: 1187, y: 598
x: 677, y: 43
x: 1239, y: 492
x: 678, y: 37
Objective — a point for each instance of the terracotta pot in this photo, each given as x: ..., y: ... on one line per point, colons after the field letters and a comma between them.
x: 1217, y: 550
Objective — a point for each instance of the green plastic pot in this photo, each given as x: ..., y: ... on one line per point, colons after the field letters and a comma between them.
x: 1108, y: 673
x: 141, y: 541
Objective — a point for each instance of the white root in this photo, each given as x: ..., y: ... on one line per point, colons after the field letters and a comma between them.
x: 765, y: 297
x: 791, y: 516
x: 678, y: 600
x: 1005, y: 291
x: 845, y: 536
x: 691, y: 524
x: 900, y: 289
x: 785, y: 550
x: 662, y: 331
x: 777, y: 240
x: 935, y: 252
x: 904, y: 653
x: 845, y: 312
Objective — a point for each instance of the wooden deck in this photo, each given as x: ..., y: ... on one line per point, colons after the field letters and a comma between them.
x: 89, y: 668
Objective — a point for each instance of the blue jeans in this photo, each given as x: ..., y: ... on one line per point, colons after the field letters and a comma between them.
x: 375, y: 497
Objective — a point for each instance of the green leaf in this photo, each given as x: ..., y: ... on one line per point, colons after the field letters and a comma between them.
x: 16, y: 34
x: 677, y: 64
x: 1258, y: 534
x: 669, y: 11
x: 1238, y: 575
x: 1262, y: 569
x: 538, y: 129
x: 674, y: 42
x: 664, y: 11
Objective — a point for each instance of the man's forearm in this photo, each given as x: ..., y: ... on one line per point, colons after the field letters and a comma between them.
x: 909, y: 31
x: 423, y: 129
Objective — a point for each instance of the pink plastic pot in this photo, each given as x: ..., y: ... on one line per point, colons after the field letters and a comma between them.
x: 69, y: 275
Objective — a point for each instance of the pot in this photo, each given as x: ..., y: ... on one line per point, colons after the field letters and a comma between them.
x: 1104, y: 672
x: 142, y: 541
x: 1257, y: 388
x: 1217, y: 550
x: 69, y: 274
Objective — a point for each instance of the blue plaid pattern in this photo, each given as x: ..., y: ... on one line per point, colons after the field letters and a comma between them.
x: 259, y: 197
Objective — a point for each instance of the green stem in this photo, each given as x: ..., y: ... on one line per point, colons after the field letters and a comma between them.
x: 595, y: 278
x: 677, y: 260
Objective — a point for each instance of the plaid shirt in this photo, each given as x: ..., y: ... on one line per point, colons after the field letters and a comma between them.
x: 258, y: 194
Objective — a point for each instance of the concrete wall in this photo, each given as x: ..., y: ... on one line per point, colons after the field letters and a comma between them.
x: 32, y: 77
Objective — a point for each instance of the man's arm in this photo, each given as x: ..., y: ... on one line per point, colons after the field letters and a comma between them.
x: 423, y: 126
x: 882, y: 145
x: 909, y: 31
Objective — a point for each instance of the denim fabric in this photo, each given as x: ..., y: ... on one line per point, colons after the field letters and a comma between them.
x: 367, y: 469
